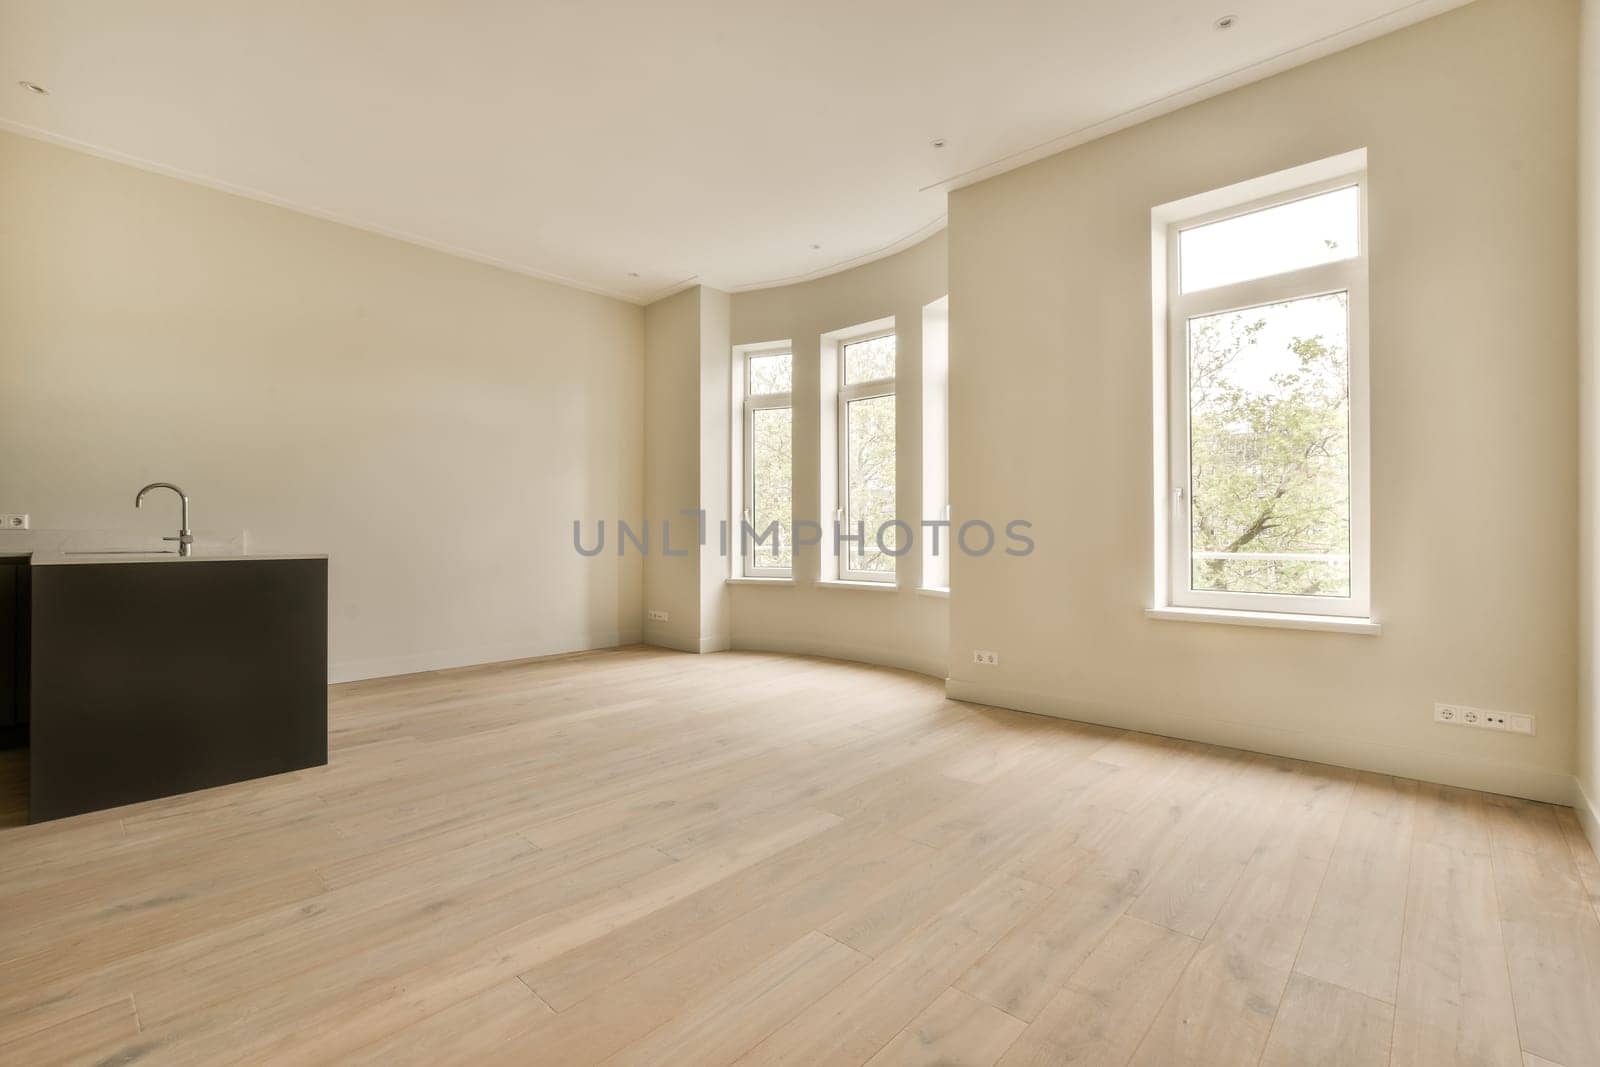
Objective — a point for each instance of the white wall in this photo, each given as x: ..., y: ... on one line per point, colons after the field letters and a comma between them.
x: 671, y: 465
x: 1468, y: 120
x: 899, y: 627
x: 716, y: 429
x: 433, y: 424
x: 687, y: 412
x: 1588, y: 802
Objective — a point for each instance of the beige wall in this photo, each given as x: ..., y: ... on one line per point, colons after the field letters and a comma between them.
x: 716, y: 429
x: 687, y: 436
x: 900, y: 627
x: 1588, y: 802
x: 1469, y: 120
x: 671, y: 465
x: 433, y: 424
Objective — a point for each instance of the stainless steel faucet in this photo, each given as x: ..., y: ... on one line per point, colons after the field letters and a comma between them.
x: 185, y: 539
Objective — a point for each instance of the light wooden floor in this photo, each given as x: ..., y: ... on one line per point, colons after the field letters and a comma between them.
x: 652, y: 858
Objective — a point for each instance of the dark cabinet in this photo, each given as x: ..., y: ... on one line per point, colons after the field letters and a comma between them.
x: 14, y: 654
x: 151, y: 679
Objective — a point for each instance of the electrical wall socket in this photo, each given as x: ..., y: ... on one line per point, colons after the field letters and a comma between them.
x: 1483, y: 719
x: 658, y: 616
x: 13, y: 522
x: 985, y: 657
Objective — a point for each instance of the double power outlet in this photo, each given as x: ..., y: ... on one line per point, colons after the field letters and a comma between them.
x: 657, y: 616
x: 985, y: 658
x: 1483, y: 719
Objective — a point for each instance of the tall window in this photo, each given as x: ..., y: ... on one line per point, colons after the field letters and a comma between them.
x: 1267, y: 404
x: 768, y: 463
x: 936, y: 443
x: 867, y: 457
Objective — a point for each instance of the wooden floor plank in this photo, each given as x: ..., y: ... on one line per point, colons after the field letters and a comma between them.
x: 400, y: 983
x: 601, y: 1025
x: 1354, y: 936
x: 1451, y: 817
x: 467, y: 1029
x: 1583, y: 856
x: 743, y: 1013
x: 588, y: 968
x: 768, y: 858
x: 1525, y: 826
x: 1108, y: 1004
x: 869, y: 1008
x: 1204, y: 863
x: 1221, y: 1011
x: 1324, y: 1025
x: 1021, y: 973
x: 1266, y: 915
x: 956, y: 1029
x: 1453, y: 1003
x: 88, y: 1038
x: 1552, y: 940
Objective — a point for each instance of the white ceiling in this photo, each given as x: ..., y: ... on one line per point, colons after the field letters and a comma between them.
x: 679, y: 140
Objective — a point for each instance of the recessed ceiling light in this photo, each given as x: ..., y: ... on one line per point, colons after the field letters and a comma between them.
x: 1226, y: 22
x: 35, y: 88
x: 816, y: 248
x: 633, y: 274
x: 939, y: 143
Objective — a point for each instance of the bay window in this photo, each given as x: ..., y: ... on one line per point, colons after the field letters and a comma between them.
x: 866, y: 451
x: 768, y: 443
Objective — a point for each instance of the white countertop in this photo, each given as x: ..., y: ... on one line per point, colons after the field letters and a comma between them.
x: 50, y: 559
x: 56, y: 547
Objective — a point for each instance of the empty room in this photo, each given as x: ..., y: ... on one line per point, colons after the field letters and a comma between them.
x: 724, y: 532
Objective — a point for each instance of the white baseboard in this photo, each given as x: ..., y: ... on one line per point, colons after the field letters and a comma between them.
x: 1588, y: 814
x: 1532, y: 783
x: 875, y: 655
x: 418, y: 662
x: 663, y: 639
x: 702, y: 644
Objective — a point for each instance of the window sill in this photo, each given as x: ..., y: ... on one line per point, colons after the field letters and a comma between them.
x: 928, y: 590
x: 781, y: 583
x: 870, y: 587
x: 1276, y: 620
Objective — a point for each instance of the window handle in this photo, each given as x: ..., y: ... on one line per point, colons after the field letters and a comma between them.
x: 1177, y: 497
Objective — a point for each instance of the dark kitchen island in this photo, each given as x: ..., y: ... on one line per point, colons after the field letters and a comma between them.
x: 155, y: 675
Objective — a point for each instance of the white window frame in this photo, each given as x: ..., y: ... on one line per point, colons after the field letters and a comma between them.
x: 868, y: 390
x: 936, y: 445
x: 1348, y: 275
x: 754, y: 402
